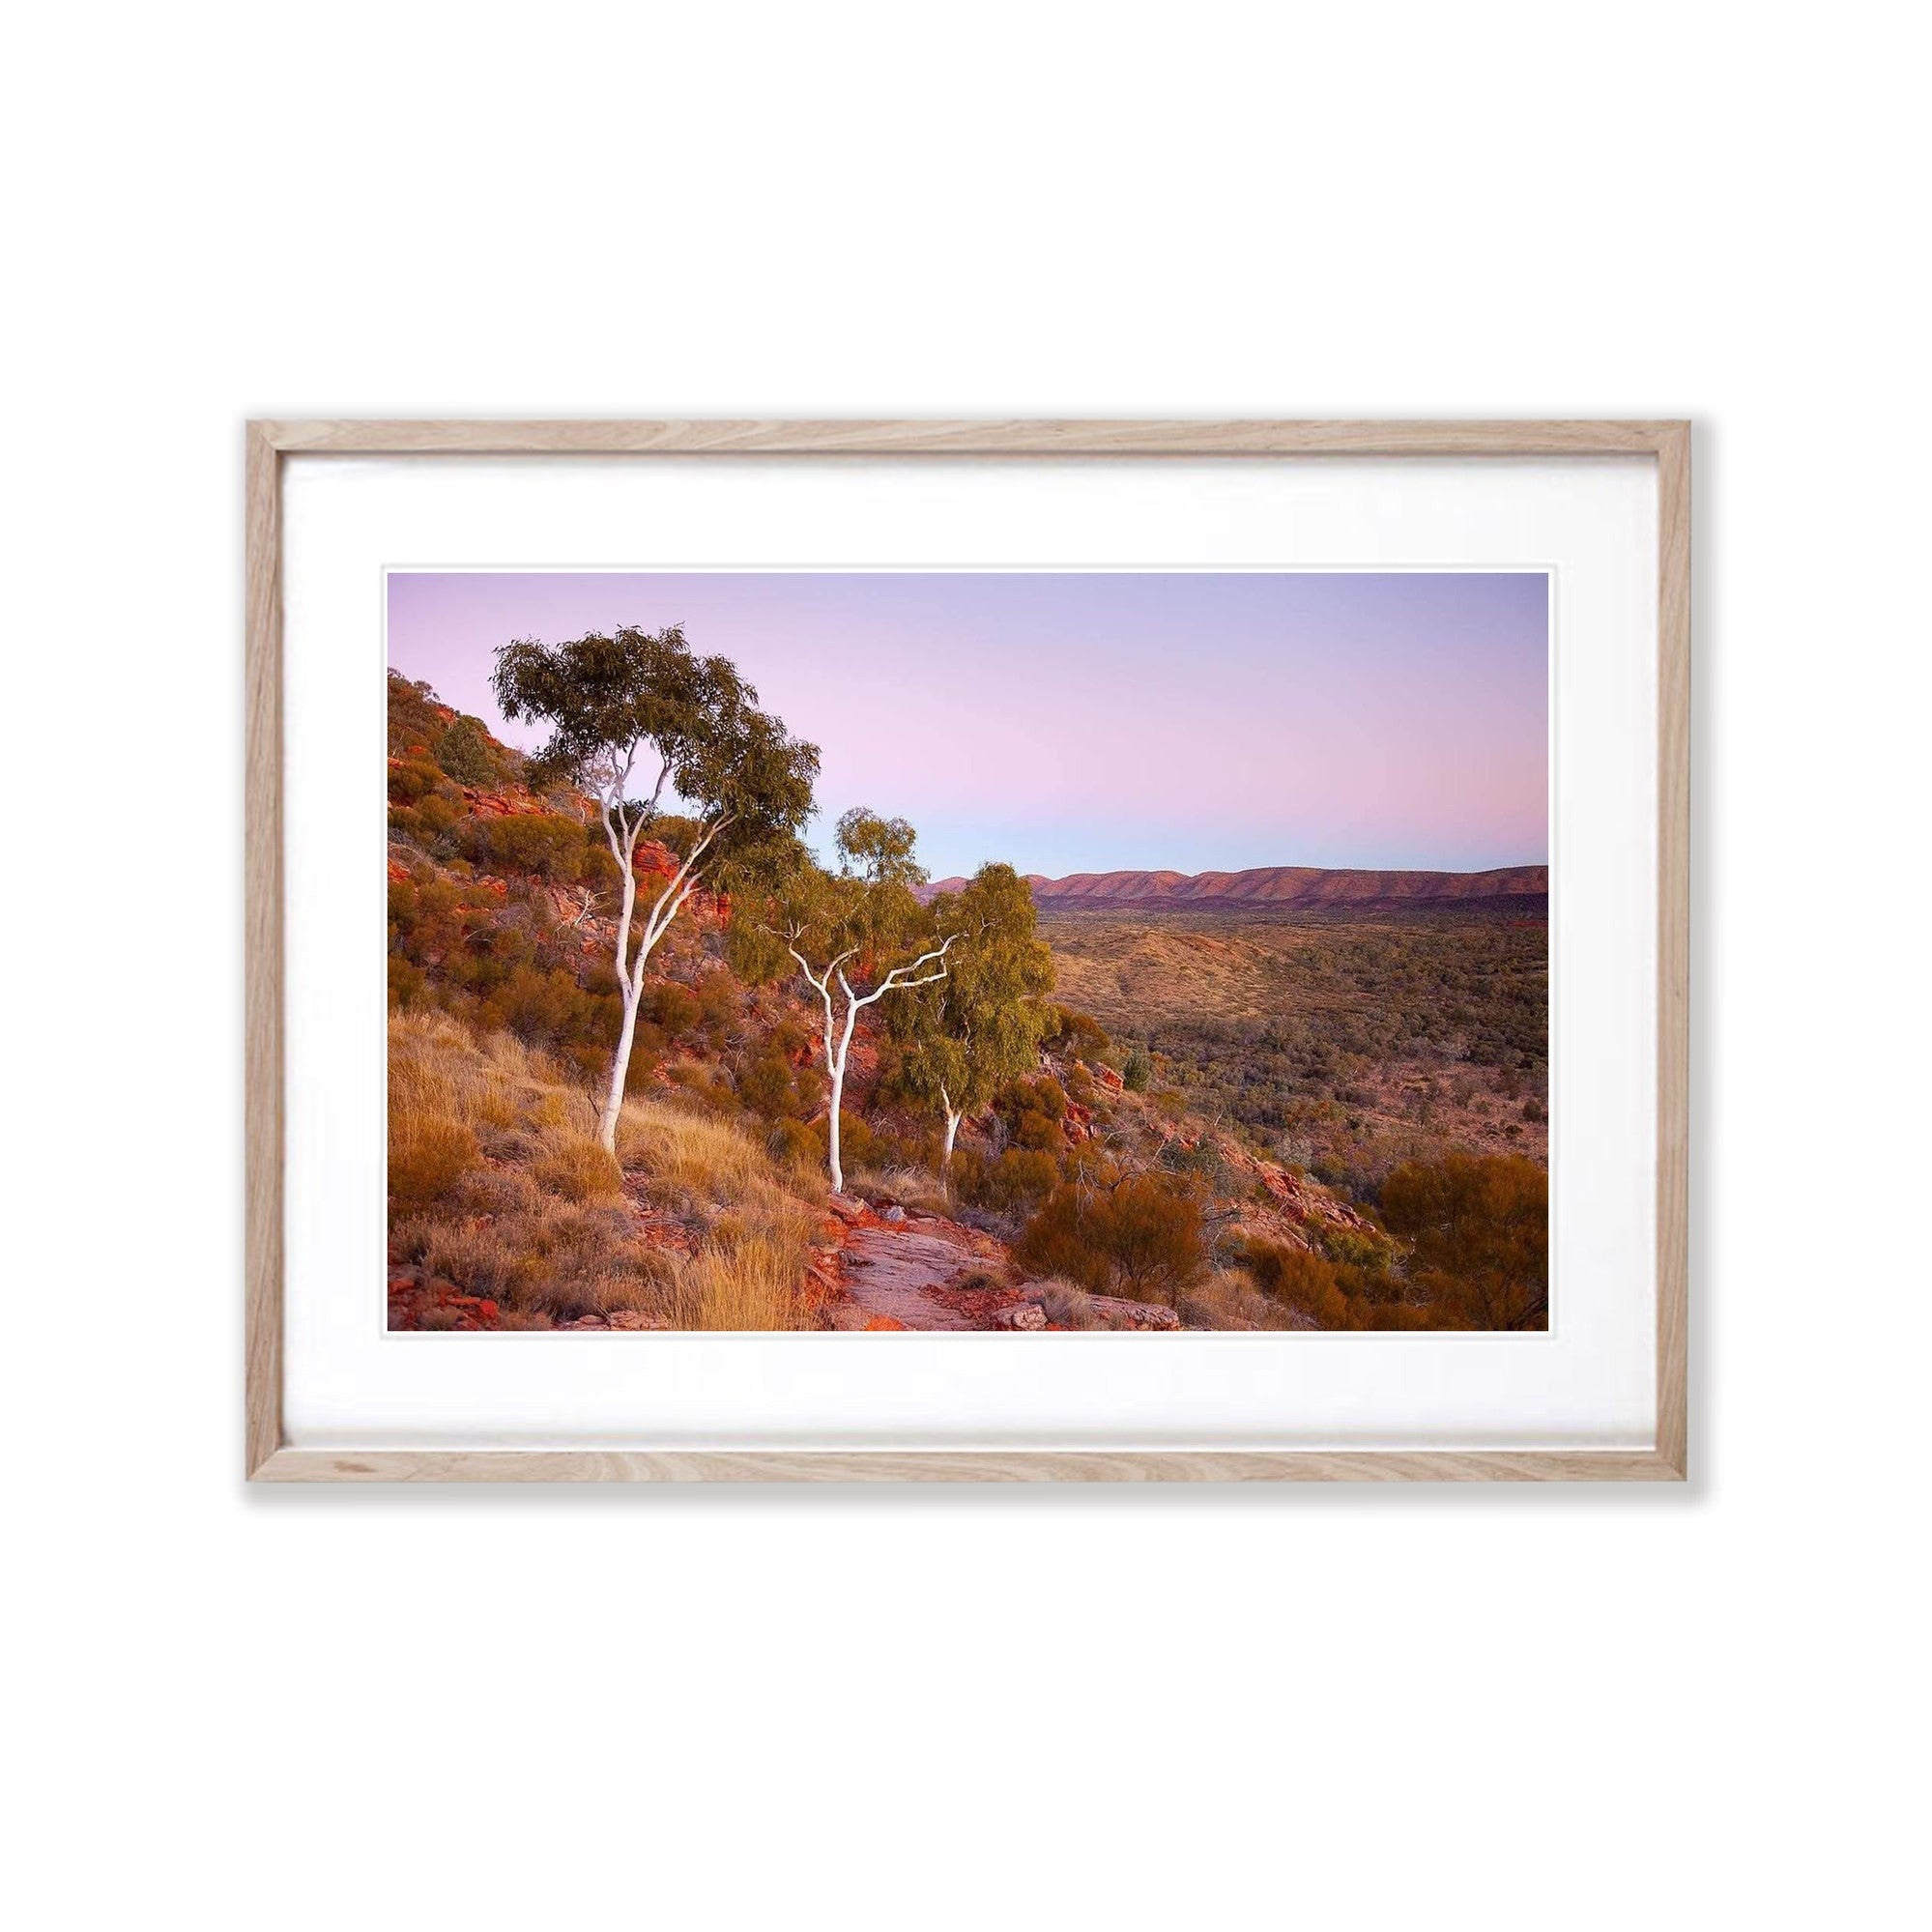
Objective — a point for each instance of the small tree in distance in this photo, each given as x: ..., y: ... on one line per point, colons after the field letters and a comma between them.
x: 981, y: 1026
x: 636, y: 696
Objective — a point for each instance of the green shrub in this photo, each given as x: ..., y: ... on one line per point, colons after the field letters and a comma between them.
x: 464, y: 752
x: 413, y: 779
x: 774, y: 1089
x: 859, y: 1144
x: 1137, y: 1075
x: 435, y: 814
x: 671, y: 1006
x: 547, y: 844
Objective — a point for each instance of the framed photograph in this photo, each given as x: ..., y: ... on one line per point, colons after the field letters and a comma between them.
x: 956, y: 951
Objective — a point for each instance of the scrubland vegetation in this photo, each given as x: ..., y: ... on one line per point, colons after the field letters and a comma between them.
x: 1242, y: 1172
x: 497, y: 1182
x: 1345, y: 1044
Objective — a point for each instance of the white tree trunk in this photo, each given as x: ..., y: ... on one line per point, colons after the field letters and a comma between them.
x: 954, y: 1116
x: 622, y: 834
x: 614, y: 1100
x: 835, y: 1065
x: 832, y: 1130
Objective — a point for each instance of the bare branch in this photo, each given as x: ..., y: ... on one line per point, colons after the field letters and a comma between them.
x: 894, y: 982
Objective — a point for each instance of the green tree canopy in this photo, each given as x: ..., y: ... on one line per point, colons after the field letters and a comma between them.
x: 619, y: 704
x: 966, y: 1036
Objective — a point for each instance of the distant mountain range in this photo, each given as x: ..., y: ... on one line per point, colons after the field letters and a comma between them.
x: 1283, y: 885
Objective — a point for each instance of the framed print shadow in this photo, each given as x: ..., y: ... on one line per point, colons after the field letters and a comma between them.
x: 967, y: 951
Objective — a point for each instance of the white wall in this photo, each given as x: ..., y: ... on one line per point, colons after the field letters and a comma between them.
x: 1383, y: 1708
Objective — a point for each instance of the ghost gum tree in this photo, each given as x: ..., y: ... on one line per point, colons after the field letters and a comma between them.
x: 639, y: 708
x: 965, y: 1037
x: 842, y: 929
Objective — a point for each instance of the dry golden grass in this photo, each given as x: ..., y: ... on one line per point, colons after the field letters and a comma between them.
x: 707, y: 1157
x: 577, y: 1168
x: 1066, y: 1303
x: 910, y: 1187
x: 429, y: 1153
x: 497, y: 1184
x: 750, y: 1282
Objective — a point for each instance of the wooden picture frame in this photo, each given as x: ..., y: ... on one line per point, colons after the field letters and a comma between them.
x: 269, y: 1457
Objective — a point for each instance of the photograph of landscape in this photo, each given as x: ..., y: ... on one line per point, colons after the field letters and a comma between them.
x: 1014, y: 951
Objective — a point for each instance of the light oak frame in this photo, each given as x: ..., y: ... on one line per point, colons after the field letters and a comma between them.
x: 270, y: 1458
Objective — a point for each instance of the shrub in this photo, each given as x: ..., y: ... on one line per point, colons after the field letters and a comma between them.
x: 1142, y: 1236
x: 1017, y: 1180
x: 1204, y: 1159
x: 793, y: 1142
x: 708, y: 1087
x: 1478, y: 1228
x: 1137, y: 1075
x: 409, y: 986
x: 718, y: 1001
x: 550, y: 1009
x: 465, y: 754
x: 671, y: 1006
x: 774, y: 1089
x: 434, y: 816
x: 764, y: 1086
x: 414, y: 779
x: 1077, y: 1035
x: 1043, y: 1096
x: 858, y: 1145
x: 1297, y: 1279
x: 547, y: 844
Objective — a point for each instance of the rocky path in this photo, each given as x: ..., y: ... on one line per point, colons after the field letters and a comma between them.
x: 894, y: 1269
x: 894, y: 1274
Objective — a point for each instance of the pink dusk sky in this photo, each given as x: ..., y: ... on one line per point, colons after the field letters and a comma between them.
x: 1093, y: 721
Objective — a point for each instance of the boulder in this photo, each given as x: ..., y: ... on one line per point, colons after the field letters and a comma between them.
x: 1117, y: 1311
x: 1022, y: 1315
